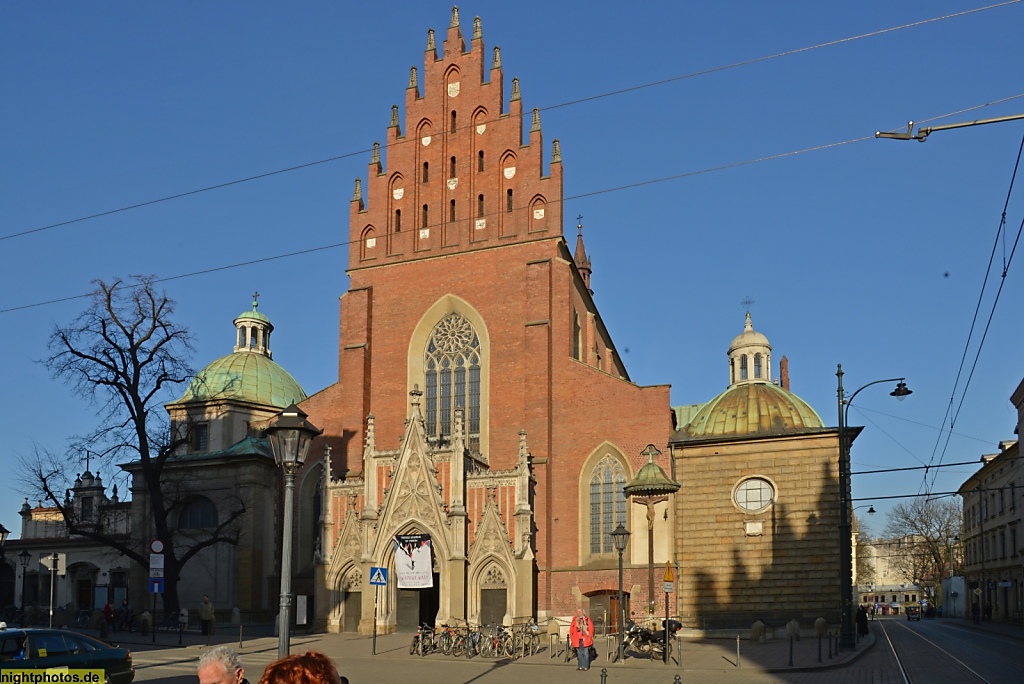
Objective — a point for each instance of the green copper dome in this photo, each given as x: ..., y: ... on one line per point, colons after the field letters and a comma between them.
x: 245, y: 376
x: 751, y: 409
x: 250, y: 373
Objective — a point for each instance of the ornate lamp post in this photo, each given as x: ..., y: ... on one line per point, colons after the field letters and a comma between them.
x: 650, y: 486
x: 25, y: 557
x: 847, y: 635
x: 290, y: 435
x: 620, y: 538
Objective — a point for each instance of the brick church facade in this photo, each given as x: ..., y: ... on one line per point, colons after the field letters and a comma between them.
x: 480, y: 398
x: 481, y: 401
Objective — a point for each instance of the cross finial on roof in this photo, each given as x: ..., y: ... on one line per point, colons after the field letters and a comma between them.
x: 747, y: 302
x: 579, y: 224
x: 255, y: 300
x: 650, y: 452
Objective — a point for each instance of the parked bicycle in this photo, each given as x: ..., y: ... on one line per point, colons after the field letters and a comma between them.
x: 423, y: 641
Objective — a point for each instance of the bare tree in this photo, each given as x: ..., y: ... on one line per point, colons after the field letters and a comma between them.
x: 125, y: 354
x: 925, y: 531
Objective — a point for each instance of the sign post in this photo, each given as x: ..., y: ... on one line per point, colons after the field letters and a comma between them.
x: 378, y: 579
x: 669, y: 587
x: 156, y: 576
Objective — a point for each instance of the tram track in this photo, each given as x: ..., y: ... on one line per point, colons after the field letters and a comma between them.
x: 938, y: 659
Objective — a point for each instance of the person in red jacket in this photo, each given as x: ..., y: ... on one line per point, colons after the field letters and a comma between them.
x: 581, y: 636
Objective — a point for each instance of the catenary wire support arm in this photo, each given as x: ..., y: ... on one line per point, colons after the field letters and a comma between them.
x: 924, y: 132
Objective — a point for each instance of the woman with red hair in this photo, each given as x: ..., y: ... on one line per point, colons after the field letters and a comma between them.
x: 308, y: 668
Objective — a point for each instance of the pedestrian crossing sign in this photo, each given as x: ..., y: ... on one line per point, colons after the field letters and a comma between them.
x: 379, y: 577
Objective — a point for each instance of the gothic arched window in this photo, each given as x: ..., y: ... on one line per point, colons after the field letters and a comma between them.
x: 607, y: 503
x: 452, y: 368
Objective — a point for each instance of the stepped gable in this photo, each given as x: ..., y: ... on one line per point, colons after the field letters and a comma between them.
x: 456, y: 173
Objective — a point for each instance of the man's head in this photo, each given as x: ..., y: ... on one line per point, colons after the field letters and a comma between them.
x: 220, y: 665
x: 206, y: 599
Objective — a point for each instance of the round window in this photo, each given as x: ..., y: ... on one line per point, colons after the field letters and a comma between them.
x: 754, y: 494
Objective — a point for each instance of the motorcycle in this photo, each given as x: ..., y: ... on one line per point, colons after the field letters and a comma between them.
x: 650, y: 643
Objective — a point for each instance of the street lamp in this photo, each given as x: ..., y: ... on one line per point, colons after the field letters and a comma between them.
x: 25, y: 557
x: 290, y: 435
x: 847, y: 636
x: 620, y: 537
x: 650, y: 486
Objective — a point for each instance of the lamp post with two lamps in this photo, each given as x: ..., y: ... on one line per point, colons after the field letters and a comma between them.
x: 847, y: 636
x: 620, y: 538
x: 290, y: 435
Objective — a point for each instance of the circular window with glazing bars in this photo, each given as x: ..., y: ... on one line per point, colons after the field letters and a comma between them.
x: 754, y: 494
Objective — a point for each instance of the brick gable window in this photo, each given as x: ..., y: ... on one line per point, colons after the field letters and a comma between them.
x: 607, y: 503
x: 452, y: 369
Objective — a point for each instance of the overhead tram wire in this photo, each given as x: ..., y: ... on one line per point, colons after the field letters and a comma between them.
x: 593, y: 193
x: 1000, y: 233
x: 569, y: 103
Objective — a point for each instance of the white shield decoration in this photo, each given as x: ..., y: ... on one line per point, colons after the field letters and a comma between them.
x: 397, y: 193
x: 481, y: 128
x: 453, y: 89
x: 426, y: 140
x: 510, y: 171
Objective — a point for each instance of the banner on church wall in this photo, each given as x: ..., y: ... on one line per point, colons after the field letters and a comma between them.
x: 412, y: 561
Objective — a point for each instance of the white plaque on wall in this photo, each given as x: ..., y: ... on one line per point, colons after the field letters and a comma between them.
x: 510, y: 171
x: 538, y: 213
x: 424, y: 233
x: 453, y: 183
x: 453, y: 89
x: 397, y: 193
x: 371, y: 242
x: 481, y: 128
x: 426, y: 140
x: 481, y: 224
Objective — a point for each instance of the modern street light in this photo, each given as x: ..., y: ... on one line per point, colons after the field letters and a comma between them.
x: 620, y: 538
x: 650, y: 486
x: 290, y: 435
x: 847, y: 635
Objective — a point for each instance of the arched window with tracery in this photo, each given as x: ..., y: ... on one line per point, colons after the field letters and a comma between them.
x: 607, y: 503
x: 452, y: 368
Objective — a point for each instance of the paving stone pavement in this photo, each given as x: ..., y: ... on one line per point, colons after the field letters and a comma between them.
x: 703, y: 662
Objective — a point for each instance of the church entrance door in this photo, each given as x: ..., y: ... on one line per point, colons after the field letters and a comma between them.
x: 493, y: 606
x: 353, y: 611
x: 416, y: 606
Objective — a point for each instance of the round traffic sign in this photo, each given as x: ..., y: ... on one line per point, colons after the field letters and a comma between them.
x: 156, y: 546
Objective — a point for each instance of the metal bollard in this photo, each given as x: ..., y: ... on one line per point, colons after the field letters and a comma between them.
x: 791, y: 651
x: 239, y: 636
x: 737, y: 650
x: 829, y: 646
x: 604, y: 675
x: 819, y: 648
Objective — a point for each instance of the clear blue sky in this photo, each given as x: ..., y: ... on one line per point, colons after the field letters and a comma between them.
x: 871, y: 253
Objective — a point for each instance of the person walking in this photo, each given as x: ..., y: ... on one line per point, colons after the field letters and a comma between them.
x: 862, y: 621
x: 205, y: 616
x: 581, y: 636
